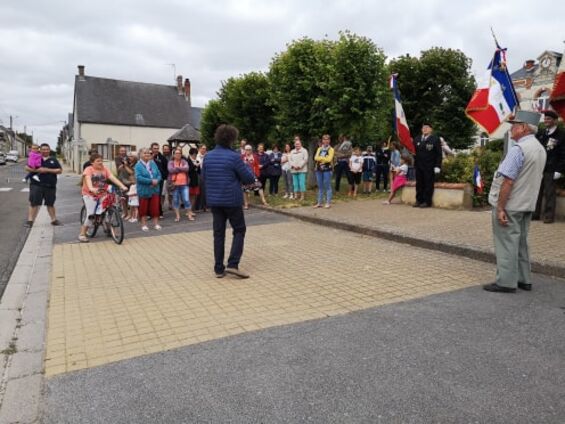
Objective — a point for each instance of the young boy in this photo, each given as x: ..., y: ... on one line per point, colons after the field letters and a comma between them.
x: 369, y: 165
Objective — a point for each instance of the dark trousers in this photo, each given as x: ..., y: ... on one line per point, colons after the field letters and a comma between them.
x: 274, y: 184
x: 342, y: 167
x: 425, y: 185
x: 547, y: 190
x: 160, y: 198
x: 382, y: 170
x: 237, y: 221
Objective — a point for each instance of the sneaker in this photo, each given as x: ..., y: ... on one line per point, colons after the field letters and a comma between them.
x: 220, y: 274
x: 56, y: 223
x: 36, y: 178
x: 327, y: 206
x: 83, y: 239
x: 28, y: 224
x: 133, y: 220
x: 237, y: 272
x: 285, y: 196
x: 291, y: 197
x: 158, y: 227
x: 145, y: 228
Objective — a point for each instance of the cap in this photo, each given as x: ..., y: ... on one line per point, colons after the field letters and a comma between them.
x: 550, y: 114
x: 525, y: 117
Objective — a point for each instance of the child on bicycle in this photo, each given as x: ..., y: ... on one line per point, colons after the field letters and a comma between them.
x: 94, y: 187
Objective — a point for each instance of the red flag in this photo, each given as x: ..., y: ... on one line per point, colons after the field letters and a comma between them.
x: 400, y: 123
x: 557, y: 99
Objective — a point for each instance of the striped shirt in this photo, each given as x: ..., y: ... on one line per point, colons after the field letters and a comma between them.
x: 512, y: 163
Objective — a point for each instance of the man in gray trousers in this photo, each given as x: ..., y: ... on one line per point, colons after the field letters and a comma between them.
x: 513, y: 196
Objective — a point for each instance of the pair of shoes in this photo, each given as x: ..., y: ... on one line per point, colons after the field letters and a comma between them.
x: 498, y: 289
x: 425, y: 205
x: 28, y: 224
x: 548, y: 221
x: 56, y: 223
x: 83, y: 239
x: 237, y: 272
x: 317, y: 205
x: 145, y: 228
x: 417, y: 205
x: 327, y: 206
x: 158, y: 227
x: 220, y: 274
x: 525, y: 286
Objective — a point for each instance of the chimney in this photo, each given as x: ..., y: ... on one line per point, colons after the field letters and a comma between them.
x: 81, y: 72
x: 179, y: 85
x: 529, y: 64
x: 187, y: 89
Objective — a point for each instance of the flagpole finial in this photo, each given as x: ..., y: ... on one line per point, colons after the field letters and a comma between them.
x: 494, y: 36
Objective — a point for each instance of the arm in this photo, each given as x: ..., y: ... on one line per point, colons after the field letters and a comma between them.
x: 438, y: 152
x: 116, y: 182
x: 171, y: 167
x: 505, y: 190
x: 142, y: 175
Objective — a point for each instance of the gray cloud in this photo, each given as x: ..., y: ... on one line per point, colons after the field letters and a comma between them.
x: 42, y: 42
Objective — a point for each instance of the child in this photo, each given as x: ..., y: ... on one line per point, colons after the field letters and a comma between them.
x: 356, y: 167
x: 133, y: 201
x: 369, y: 165
x: 33, y: 161
x: 399, y: 179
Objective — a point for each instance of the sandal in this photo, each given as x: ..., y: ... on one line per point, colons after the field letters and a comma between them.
x: 83, y: 239
x: 145, y: 228
x: 190, y: 217
x: 177, y: 219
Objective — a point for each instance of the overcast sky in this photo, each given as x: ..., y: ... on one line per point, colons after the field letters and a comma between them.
x: 42, y: 42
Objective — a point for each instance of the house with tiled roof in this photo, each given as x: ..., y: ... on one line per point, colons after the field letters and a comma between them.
x: 109, y: 113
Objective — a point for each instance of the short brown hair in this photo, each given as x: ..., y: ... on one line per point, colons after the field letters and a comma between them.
x: 95, y: 156
x: 226, y: 135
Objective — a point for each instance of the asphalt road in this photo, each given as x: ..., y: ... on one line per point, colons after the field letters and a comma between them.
x: 13, y: 210
x: 462, y: 357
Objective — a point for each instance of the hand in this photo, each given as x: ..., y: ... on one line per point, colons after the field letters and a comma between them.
x: 501, y: 217
x: 42, y: 170
x: 154, y: 182
x: 93, y: 190
x: 556, y: 175
x: 437, y: 170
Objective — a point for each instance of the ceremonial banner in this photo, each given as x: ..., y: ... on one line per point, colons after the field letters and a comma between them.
x: 495, y: 99
x: 400, y: 123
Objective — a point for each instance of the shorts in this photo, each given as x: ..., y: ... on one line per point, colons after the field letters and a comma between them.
x: 39, y: 195
x: 133, y: 201
x: 356, y: 177
x: 367, y: 176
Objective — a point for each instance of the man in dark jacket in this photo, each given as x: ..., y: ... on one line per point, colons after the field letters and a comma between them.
x: 552, y: 139
x: 427, y: 164
x: 225, y: 173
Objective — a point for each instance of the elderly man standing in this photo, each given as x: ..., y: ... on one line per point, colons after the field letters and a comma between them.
x: 427, y: 163
x: 513, y: 197
x: 225, y: 173
x: 552, y: 139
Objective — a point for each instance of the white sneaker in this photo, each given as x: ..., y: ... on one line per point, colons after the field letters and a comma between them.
x: 291, y: 197
x: 158, y: 227
x: 145, y: 228
x: 36, y: 178
x: 285, y: 196
x: 133, y: 220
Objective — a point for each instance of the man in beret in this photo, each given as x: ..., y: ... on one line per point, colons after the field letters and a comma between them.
x: 513, y: 195
x: 552, y: 139
x: 427, y: 163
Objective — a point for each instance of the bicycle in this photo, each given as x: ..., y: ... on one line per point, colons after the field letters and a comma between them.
x: 108, y: 214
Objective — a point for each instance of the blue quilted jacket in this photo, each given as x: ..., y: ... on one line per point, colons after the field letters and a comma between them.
x: 223, y: 173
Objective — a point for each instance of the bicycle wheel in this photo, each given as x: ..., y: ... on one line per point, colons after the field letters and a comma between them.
x: 91, y: 232
x: 82, y: 215
x: 116, y: 224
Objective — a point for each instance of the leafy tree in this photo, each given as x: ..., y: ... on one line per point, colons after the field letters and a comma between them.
x: 245, y: 104
x: 436, y: 87
x: 212, y: 116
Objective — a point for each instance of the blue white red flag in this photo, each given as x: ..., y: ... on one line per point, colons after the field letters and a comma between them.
x: 400, y: 124
x: 477, y: 180
x: 495, y: 99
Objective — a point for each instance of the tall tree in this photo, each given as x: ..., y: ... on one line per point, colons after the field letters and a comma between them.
x: 212, y: 116
x: 436, y: 87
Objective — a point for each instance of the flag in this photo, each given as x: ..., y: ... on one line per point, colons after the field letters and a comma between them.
x: 557, y: 99
x: 495, y: 98
x: 477, y: 180
x: 400, y: 124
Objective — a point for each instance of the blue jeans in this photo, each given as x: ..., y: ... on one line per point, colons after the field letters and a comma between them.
x: 181, y: 193
x: 324, y: 179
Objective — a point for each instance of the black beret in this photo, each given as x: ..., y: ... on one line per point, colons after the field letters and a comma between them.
x: 551, y: 114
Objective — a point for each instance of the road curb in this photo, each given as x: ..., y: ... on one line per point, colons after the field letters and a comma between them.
x: 546, y: 268
x: 23, y: 313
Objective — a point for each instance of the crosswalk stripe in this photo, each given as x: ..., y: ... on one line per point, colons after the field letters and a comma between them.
x: 6, y: 188
x: 24, y: 190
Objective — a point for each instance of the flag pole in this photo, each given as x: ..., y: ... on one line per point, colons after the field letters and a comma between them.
x: 494, y: 36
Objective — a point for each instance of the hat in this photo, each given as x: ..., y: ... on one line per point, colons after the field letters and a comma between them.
x: 526, y: 117
x: 550, y: 114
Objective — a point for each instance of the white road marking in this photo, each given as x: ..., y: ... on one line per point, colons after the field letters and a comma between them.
x: 6, y: 188
x: 24, y: 190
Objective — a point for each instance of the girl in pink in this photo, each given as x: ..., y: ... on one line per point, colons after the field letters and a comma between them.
x: 33, y: 161
x: 399, y: 179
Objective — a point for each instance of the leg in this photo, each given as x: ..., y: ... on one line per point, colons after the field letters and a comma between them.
x: 237, y: 222
x: 155, y: 208
x: 161, y: 198
x: 429, y: 178
x: 385, y: 176
x: 328, y: 186
x: 176, y: 203
x: 338, y: 172
x: 550, y: 196
x: 350, y: 181
x: 525, y: 269
x: 320, y: 182
x: 143, y: 210
x: 537, y: 213
x: 378, y: 172
x: 276, y: 179
x: 302, y: 184
x: 295, y: 182
x: 32, y: 213
x: 184, y: 194
x: 219, y: 229
x: 506, y: 248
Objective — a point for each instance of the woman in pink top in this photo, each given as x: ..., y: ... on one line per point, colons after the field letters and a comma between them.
x: 178, y: 181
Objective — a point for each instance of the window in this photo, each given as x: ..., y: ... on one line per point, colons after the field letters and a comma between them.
x: 110, y: 151
x: 541, y: 102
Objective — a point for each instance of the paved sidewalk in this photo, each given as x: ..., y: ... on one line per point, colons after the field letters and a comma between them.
x: 466, y: 233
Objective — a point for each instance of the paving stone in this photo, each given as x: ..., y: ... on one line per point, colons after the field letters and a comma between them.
x: 35, y: 308
x: 21, y: 400
x: 31, y: 337
x: 24, y: 364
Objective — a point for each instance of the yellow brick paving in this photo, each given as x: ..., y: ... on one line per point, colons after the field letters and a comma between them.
x: 109, y: 302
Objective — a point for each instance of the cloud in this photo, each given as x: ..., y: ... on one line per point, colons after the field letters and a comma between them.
x: 41, y: 43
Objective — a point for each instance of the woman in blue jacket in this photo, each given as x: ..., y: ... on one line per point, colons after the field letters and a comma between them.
x: 148, y: 177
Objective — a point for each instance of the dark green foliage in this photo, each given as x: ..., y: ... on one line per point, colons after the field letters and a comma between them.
x: 212, y: 117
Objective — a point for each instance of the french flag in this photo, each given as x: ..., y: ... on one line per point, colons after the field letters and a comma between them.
x: 495, y: 99
x: 400, y: 123
x: 477, y: 180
